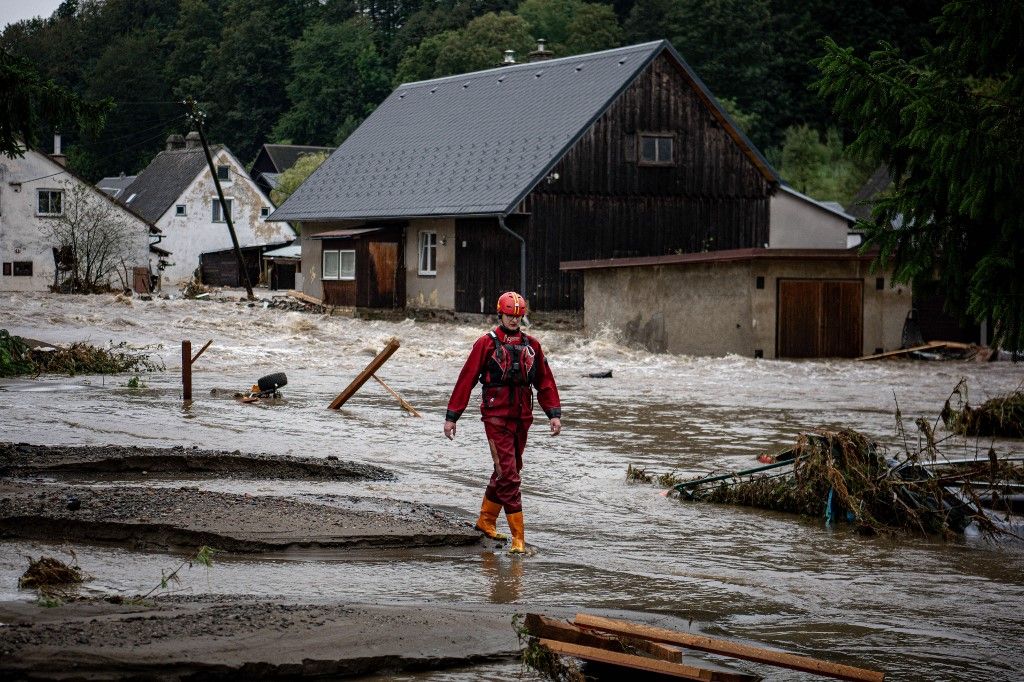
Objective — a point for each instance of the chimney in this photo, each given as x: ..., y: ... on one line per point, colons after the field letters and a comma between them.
x: 57, y: 155
x: 193, y: 141
x: 175, y: 141
x: 541, y: 53
x: 509, y: 58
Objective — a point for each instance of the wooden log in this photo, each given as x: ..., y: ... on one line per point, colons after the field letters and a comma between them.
x: 726, y: 648
x: 406, y: 405
x: 931, y: 345
x: 542, y: 627
x: 365, y: 375
x: 686, y: 671
x: 186, y: 371
x: 201, y: 351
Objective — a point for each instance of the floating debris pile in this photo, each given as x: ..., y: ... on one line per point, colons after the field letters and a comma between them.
x: 18, y: 358
x: 843, y: 475
x: 1001, y: 417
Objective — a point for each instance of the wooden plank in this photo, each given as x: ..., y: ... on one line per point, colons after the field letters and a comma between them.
x: 726, y: 648
x: 365, y: 375
x: 931, y: 345
x: 201, y: 351
x: 686, y: 671
x: 186, y: 371
x: 401, y: 401
x: 549, y: 628
x: 305, y: 298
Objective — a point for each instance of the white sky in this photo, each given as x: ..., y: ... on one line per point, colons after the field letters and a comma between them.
x: 16, y: 10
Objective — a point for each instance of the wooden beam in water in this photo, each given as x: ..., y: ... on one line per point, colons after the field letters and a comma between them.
x: 542, y: 627
x: 686, y: 671
x: 726, y: 648
x: 365, y: 375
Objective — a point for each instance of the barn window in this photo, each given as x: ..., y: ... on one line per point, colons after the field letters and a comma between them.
x: 656, y: 150
x: 428, y: 253
x: 23, y: 268
x: 340, y: 264
x: 218, y: 215
x: 50, y: 202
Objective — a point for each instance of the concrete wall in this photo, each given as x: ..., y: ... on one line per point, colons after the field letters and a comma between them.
x: 23, y: 233
x: 195, y: 233
x: 796, y: 223
x: 433, y: 292
x: 715, y: 309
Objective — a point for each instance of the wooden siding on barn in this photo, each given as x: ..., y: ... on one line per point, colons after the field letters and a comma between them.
x: 604, y: 204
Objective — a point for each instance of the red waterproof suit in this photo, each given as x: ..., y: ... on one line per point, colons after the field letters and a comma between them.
x: 507, y: 404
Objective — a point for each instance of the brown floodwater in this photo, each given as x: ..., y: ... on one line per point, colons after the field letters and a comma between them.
x: 922, y: 609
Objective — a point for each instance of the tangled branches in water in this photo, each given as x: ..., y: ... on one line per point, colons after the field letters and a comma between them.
x: 1002, y: 416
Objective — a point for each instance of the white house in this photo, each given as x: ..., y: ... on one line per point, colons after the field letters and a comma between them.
x: 176, y: 192
x: 37, y: 195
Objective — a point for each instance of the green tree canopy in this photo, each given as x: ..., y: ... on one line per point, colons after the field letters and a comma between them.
x: 819, y: 165
x: 480, y: 45
x: 339, y: 79
x: 29, y: 101
x: 949, y: 126
x: 290, y: 179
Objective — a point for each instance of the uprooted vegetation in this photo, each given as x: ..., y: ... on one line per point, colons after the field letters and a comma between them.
x: 843, y: 475
x: 17, y: 358
x: 1000, y: 417
x: 47, y: 572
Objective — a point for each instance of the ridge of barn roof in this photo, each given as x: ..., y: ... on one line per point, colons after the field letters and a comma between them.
x: 477, y: 143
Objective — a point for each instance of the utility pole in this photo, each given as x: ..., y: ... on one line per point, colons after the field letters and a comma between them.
x: 197, y: 117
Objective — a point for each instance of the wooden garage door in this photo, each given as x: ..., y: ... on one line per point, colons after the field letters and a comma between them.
x: 820, y: 318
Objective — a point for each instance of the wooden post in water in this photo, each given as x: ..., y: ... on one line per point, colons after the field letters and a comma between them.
x: 186, y: 370
x: 365, y: 375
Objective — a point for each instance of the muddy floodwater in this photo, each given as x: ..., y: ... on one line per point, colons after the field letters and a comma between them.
x: 921, y: 609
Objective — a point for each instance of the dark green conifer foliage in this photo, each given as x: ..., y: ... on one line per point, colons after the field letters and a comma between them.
x: 950, y: 126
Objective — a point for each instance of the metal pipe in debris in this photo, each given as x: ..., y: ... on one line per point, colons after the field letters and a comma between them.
x: 733, y: 474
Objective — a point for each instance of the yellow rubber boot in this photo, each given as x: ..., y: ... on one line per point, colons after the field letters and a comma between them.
x: 487, y: 523
x: 515, y: 524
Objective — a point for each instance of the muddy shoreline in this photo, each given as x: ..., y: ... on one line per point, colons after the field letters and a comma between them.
x: 238, y: 638
x: 128, y: 512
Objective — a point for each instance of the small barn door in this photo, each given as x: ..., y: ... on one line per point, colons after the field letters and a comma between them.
x: 820, y: 318
x: 140, y: 280
x: 382, y: 289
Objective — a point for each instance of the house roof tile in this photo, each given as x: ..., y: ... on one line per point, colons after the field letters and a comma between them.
x: 474, y: 144
x: 163, y: 181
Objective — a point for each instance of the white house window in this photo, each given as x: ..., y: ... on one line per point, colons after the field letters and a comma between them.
x: 656, y: 150
x: 265, y: 212
x: 50, y: 202
x: 23, y: 268
x: 340, y: 264
x: 218, y: 215
x: 224, y: 173
x: 428, y: 253
x: 179, y: 210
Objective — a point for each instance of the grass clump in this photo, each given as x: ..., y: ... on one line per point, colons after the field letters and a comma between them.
x: 47, y: 572
x: 14, y: 355
x: 1000, y: 417
x: 637, y: 475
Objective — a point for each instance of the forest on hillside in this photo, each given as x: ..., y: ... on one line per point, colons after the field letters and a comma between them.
x: 309, y: 71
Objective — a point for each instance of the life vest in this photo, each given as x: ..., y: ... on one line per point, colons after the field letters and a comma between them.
x: 510, y: 364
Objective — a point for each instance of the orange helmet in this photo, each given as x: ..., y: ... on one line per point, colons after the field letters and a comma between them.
x: 511, y: 303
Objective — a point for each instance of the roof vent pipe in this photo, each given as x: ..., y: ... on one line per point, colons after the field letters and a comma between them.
x: 510, y: 57
x: 541, y: 53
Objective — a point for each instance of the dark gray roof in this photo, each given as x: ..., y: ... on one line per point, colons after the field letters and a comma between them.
x: 473, y: 144
x: 860, y: 206
x: 284, y: 156
x: 116, y: 184
x: 163, y: 181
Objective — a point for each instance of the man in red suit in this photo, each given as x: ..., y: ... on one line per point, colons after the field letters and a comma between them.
x: 510, y: 365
